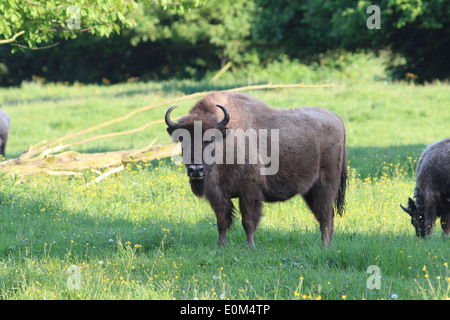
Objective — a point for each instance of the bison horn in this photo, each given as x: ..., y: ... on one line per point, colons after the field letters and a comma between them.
x: 169, y: 122
x: 225, y: 120
x: 408, y: 211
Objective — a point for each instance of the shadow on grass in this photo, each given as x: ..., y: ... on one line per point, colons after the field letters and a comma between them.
x: 26, y: 222
x: 44, y: 229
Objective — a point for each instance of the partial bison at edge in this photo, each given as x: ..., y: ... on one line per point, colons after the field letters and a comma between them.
x: 432, y: 191
x: 4, y: 129
x: 235, y: 146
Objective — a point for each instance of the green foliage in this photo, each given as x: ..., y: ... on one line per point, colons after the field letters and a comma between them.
x: 188, y: 39
x: 222, y: 26
x: 165, y: 42
x: 415, y: 29
x: 418, y: 30
x: 41, y: 22
x: 328, y: 68
x: 141, y: 234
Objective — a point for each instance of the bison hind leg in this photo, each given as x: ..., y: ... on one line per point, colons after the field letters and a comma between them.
x: 3, y: 146
x: 320, y: 199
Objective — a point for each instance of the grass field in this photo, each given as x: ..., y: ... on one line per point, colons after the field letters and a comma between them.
x: 141, y: 234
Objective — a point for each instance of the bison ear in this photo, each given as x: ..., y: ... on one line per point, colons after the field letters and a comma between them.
x: 412, y: 205
x: 170, y: 130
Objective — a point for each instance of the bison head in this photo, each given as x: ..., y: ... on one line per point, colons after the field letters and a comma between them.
x: 416, y: 212
x: 197, y: 133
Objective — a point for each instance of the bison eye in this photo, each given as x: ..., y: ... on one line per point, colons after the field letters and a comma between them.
x: 180, y: 138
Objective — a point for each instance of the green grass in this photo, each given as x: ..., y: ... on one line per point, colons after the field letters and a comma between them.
x: 141, y: 234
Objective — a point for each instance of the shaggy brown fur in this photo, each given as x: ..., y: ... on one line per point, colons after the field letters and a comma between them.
x: 432, y: 192
x: 312, y: 162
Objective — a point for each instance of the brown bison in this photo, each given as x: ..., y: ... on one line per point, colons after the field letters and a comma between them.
x: 307, y: 157
x: 432, y: 191
x: 4, y: 129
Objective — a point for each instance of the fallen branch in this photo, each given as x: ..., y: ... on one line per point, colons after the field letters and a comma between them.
x: 104, y: 136
x: 47, y: 156
x: 106, y: 174
x: 64, y: 173
x: 34, y: 150
x: 71, y: 161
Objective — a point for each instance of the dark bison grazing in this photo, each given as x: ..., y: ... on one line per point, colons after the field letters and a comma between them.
x: 4, y: 129
x: 432, y: 192
x: 261, y: 154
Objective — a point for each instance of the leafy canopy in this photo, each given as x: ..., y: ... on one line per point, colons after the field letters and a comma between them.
x: 30, y: 24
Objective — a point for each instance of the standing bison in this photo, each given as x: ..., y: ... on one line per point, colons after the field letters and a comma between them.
x: 4, y: 128
x: 238, y: 132
x: 432, y: 192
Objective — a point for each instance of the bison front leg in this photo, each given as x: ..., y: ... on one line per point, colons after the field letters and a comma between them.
x: 224, y: 215
x: 430, y: 213
x: 445, y: 223
x: 251, y: 211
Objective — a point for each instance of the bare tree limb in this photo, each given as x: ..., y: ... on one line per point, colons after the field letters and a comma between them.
x: 46, y: 157
x: 106, y: 174
x: 34, y: 150
x: 37, y: 48
x: 14, y: 37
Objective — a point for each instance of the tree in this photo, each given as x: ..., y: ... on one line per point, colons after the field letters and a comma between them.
x: 223, y: 26
x: 181, y: 41
x: 30, y: 24
x: 418, y: 30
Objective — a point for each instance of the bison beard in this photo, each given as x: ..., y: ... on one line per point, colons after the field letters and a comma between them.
x: 312, y: 161
x: 197, y: 187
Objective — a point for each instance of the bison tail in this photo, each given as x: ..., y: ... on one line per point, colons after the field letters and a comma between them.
x: 340, y: 198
